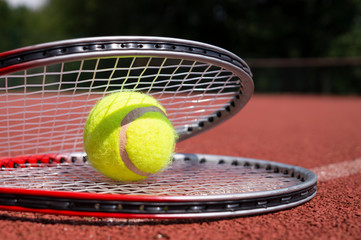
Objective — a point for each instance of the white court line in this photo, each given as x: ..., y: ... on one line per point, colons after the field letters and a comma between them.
x: 337, y: 170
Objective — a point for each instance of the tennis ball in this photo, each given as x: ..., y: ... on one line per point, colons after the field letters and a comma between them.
x: 127, y: 136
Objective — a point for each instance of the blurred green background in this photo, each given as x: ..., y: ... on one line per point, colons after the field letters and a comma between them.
x: 308, y: 46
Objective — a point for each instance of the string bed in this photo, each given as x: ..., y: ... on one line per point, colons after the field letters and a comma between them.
x: 187, y: 176
x: 44, y: 109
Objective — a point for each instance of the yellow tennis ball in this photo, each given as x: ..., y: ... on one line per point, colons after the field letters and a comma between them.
x: 127, y: 136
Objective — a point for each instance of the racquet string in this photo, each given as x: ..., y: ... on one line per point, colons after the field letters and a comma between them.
x: 182, y: 178
x: 46, y: 107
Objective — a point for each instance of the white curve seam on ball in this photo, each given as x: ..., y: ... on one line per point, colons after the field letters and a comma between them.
x: 127, y: 120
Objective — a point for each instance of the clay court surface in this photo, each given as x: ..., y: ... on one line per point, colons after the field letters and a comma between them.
x: 321, y: 133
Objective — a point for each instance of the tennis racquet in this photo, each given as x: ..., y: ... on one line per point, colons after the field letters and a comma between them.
x: 47, y: 91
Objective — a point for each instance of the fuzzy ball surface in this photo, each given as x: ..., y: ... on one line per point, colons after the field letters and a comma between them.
x: 146, y: 145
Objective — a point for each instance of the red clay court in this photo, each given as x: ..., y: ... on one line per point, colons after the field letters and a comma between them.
x: 321, y: 133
